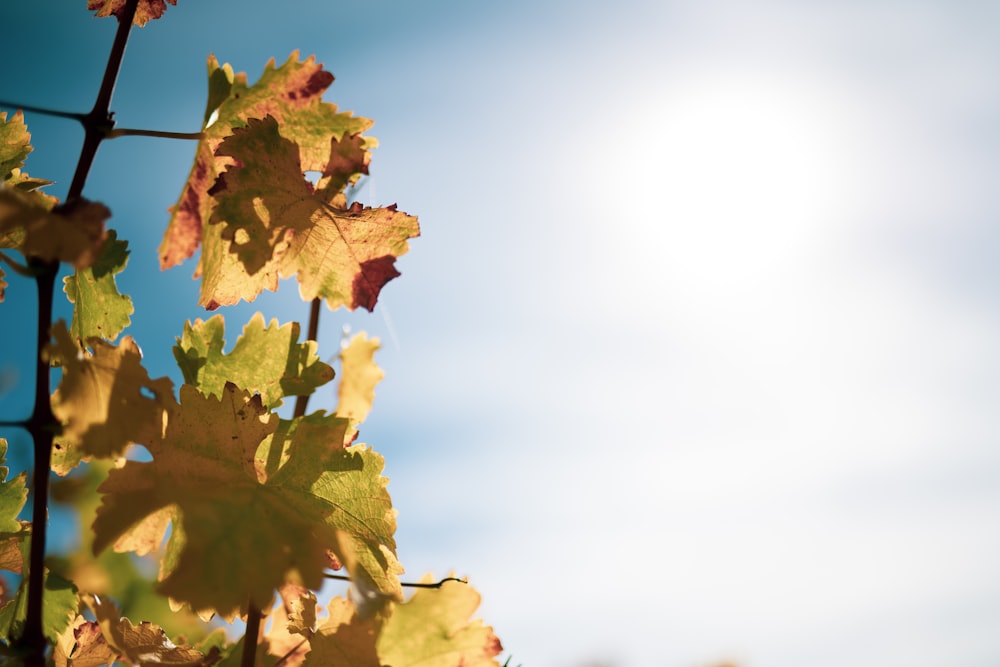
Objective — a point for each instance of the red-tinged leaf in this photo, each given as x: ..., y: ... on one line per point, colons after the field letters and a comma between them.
x: 147, y: 10
x: 292, y: 94
x: 274, y: 224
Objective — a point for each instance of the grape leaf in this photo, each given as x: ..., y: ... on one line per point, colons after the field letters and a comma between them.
x: 254, y: 501
x: 13, y: 494
x: 82, y: 644
x: 13, y: 533
x: 59, y: 608
x: 433, y: 629
x: 101, y: 399
x: 73, y: 235
x: 143, y: 644
x: 277, y: 225
x: 344, y: 639
x: 147, y: 10
x: 292, y: 93
x: 15, y: 143
x: 291, y: 620
x: 269, y: 361
x: 100, y: 311
x: 14, y: 148
x: 358, y: 376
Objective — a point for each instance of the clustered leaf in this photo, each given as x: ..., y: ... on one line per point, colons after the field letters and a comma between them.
x: 237, y: 501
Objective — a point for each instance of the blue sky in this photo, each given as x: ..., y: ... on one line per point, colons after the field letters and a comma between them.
x: 696, y: 357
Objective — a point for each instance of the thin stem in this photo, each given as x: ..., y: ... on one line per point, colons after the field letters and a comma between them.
x: 129, y: 132
x: 436, y: 584
x: 290, y: 653
x: 42, y: 110
x: 16, y: 266
x: 254, y: 616
x: 312, y: 334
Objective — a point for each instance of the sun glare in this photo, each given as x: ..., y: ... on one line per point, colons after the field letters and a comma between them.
x: 745, y: 173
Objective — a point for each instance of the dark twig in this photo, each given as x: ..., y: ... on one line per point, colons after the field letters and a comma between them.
x: 42, y: 110
x: 42, y: 425
x: 290, y: 653
x: 436, y: 584
x: 254, y: 617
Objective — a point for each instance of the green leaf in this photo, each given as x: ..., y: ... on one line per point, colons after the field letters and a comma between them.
x: 100, y: 311
x: 276, y: 225
x: 59, y: 608
x: 254, y: 500
x: 13, y: 533
x: 15, y: 143
x: 13, y: 494
x: 433, y: 629
x: 269, y: 361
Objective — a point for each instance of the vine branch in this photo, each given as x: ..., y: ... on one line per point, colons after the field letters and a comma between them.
x: 42, y: 424
x: 131, y: 132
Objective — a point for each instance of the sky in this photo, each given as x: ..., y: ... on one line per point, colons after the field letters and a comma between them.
x: 695, y: 359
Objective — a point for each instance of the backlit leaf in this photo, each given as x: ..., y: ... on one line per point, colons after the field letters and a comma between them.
x: 13, y: 533
x: 291, y: 93
x: 103, y: 398
x: 433, y: 629
x: 344, y: 639
x: 59, y: 608
x: 269, y: 361
x: 100, y: 311
x: 74, y: 236
x: 15, y: 143
x: 276, y: 225
x: 358, y: 376
x: 142, y: 644
x: 254, y: 500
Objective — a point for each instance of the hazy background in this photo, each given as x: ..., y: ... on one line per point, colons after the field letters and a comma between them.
x: 697, y: 356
